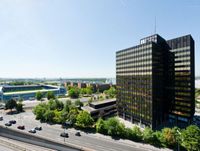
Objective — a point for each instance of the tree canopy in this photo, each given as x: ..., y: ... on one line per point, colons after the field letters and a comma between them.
x: 74, y: 92
x: 38, y: 96
x: 190, y: 138
x: 10, y: 104
x: 84, y: 119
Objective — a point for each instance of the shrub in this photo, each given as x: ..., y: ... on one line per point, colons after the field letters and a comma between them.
x: 100, y: 126
x: 148, y: 135
x: 84, y: 119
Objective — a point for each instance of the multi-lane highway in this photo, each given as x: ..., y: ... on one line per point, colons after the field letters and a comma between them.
x: 93, y: 141
x: 7, y: 144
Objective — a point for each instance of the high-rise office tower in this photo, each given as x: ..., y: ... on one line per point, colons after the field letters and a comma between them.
x: 155, y: 81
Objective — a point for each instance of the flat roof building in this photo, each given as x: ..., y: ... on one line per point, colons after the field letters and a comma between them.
x: 155, y: 81
x: 28, y: 92
x: 104, y: 108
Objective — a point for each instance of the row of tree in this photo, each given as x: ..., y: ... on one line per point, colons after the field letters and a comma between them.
x: 188, y: 138
x: 13, y: 104
x: 110, y: 93
x: 49, y: 95
x: 58, y: 112
x: 75, y: 92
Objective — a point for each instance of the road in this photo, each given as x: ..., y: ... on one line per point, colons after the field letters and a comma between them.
x: 7, y: 144
x: 94, y: 141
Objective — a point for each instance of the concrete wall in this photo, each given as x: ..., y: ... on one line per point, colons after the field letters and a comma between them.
x: 37, y: 140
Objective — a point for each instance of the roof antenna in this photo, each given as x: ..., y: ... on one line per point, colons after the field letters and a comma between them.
x: 155, y: 26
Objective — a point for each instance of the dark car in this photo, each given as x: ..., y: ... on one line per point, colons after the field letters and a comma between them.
x: 38, y: 128
x: 78, y: 134
x: 64, y: 135
x: 32, y: 131
x: 21, y: 127
x: 1, y: 118
x: 12, y: 122
x: 8, y: 124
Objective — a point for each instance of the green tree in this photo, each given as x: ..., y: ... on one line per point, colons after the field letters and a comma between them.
x: 19, y: 107
x: 100, y: 126
x: 84, y: 119
x: 67, y: 106
x: 57, y: 117
x: 50, y: 95
x: 40, y: 110
x: 49, y: 115
x: 169, y: 137
x: 72, y: 115
x: 83, y: 91
x: 10, y: 104
x: 128, y: 133
x: 89, y: 90
x: 148, y: 135
x: 157, y: 139
x: 137, y: 133
x: 59, y: 105
x: 38, y: 96
x: 74, y: 92
x: 78, y: 103
x: 114, y: 127
x: 111, y: 92
x: 191, y: 138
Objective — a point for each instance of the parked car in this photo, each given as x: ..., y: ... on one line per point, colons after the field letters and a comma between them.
x: 64, y: 134
x: 8, y: 124
x: 12, y: 122
x: 21, y: 127
x: 38, y: 128
x: 78, y: 134
x: 1, y: 118
x: 32, y: 131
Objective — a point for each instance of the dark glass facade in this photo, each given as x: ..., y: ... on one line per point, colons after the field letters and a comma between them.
x: 146, y: 79
x: 181, y: 85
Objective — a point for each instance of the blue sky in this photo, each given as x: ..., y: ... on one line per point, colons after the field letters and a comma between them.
x: 79, y: 38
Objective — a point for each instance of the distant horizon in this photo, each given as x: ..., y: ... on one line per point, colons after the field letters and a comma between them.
x: 198, y: 78
x: 60, y: 77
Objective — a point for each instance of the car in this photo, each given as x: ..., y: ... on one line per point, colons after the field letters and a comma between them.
x: 38, y: 128
x: 8, y: 124
x: 78, y: 134
x: 1, y: 118
x: 12, y: 122
x: 32, y: 131
x: 21, y: 127
x: 64, y: 134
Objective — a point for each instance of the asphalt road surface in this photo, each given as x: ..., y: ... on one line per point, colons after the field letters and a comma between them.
x: 7, y: 144
x: 93, y: 141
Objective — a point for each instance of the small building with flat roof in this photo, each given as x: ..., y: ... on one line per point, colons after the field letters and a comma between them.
x: 104, y: 108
